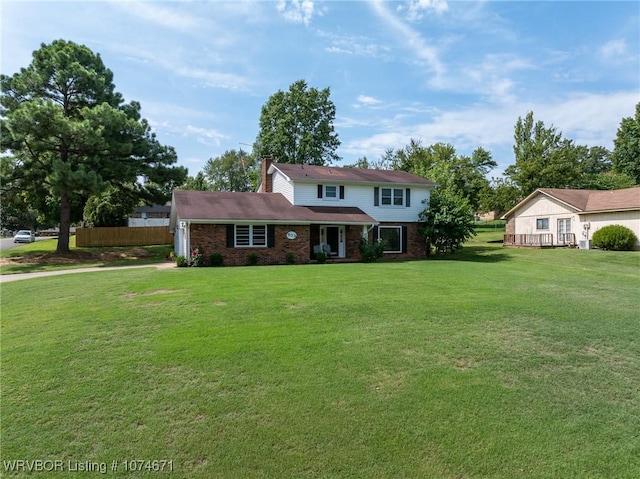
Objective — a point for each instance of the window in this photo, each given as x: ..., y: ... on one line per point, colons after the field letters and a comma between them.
x: 330, y: 192
x: 250, y: 235
x: 392, y: 196
x: 392, y: 237
x: 564, y: 230
x: 542, y: 223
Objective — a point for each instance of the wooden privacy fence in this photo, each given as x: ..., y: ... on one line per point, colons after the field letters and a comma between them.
x: 123, y: 236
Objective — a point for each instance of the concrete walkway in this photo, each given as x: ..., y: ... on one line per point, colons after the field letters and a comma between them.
x: 7, y: 278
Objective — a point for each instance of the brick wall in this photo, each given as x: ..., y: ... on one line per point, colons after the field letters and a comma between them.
x: 213, y: 239
x: 416, y: 245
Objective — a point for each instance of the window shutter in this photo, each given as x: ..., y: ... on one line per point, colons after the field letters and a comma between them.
x: 376, y: 196
x: 319, y: 191
x: 230, y: 236
x: 341, y: 192
x: 375, y: 234
x: 405, y: 240
x: 408, y: 197
x: 271, y: 236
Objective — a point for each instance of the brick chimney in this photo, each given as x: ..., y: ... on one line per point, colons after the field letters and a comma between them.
x: 267, y: 186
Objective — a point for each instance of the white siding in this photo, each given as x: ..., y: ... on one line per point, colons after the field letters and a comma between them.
x: 280, y: 185
x: 630, y: 219
x: 543, y: 207
x: 361, y: 196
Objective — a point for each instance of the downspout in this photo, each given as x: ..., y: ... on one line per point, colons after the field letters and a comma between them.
x: 187, y: 244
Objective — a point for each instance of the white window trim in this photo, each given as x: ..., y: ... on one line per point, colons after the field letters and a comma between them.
x: 251, y: 242
x: 404, y: 197
x: 399, y: 228
x: 325, y: 197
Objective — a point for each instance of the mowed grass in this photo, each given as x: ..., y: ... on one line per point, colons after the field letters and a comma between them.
x: 41, y: 256
x: 492, y: 363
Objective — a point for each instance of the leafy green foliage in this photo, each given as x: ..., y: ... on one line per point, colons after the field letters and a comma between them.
x: 321, y: 257
x: 70, y: 136
x: 216, y: 260
x: 291, y: 258
x: 197, y: 257
x: 543, y: 159
x: 458, y: 174
x: 181, y: 261
x: 370, y: 251
x: 448, y: 222
x: 196, y: 183
x: 297, y: 126
x: 252, y: 259
x: 232, y: 171
x: 615, y: 238
x: 111, y: 207
x: 626, y: 153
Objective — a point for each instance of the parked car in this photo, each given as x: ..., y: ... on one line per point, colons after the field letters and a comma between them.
x: 24, y: 236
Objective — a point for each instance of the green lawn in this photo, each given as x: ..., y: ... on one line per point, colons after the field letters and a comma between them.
x: 494, y: 363
x: 41, y: 256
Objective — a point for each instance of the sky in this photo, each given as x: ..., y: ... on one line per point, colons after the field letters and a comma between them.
x: 457, y: 72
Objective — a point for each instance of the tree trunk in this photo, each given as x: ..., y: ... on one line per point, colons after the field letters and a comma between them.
x: 65, y: 224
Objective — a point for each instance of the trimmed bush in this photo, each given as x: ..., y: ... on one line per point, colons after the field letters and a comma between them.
x: 216, y: 259
x: 181, y: 261
x: 369, y: 251
x: 252, y: 259
x: 291, y: 258
x: 321, y: 257
x: 615, y: 238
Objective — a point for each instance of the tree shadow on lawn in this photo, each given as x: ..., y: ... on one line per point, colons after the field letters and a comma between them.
x: 477, y: 254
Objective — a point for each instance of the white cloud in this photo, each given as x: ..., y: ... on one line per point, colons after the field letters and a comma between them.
x: 205, y: 136
x: 590, y: 119
x: 296, y: 11
x: 410, y: 38
x: 367, y: 101
x: 417, y: 8
x: 614, y: 49
x: 160, y: 15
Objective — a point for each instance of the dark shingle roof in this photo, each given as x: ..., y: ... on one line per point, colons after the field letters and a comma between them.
x: 349, y: 175
x: 224, y: 206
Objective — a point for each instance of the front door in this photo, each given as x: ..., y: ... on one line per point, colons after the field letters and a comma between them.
x: 334, y: 237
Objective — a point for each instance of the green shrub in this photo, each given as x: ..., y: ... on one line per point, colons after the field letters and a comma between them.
x: 370, y: 252
x: 291, y: 258
x: 253, y: 259
x: 321, y: 257
x: 181, y: 261
x: 216, y: 259
x: 615, y: 238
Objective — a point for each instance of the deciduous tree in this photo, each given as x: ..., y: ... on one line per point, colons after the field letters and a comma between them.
x: 626, y: 153
x: 296, y: 126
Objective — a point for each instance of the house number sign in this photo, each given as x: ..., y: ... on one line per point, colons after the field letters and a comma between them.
x: 292, y: 235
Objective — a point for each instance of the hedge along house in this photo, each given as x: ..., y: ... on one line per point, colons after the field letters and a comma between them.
x: 300, y: 210
x: 551, y: 217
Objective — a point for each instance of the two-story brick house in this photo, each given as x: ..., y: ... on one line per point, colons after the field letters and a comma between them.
x: 302, y: 209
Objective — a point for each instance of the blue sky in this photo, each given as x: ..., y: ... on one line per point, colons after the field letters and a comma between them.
x: 433, y: 70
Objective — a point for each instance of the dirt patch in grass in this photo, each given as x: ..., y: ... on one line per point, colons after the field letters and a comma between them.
x: 78, y: 257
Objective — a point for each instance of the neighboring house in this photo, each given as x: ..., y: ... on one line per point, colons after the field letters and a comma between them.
x: 566, y: 217
x: 300, y: 210
x: 154, y: 215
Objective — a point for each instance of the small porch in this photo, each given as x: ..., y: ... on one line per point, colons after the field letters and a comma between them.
x: 543, y: 240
